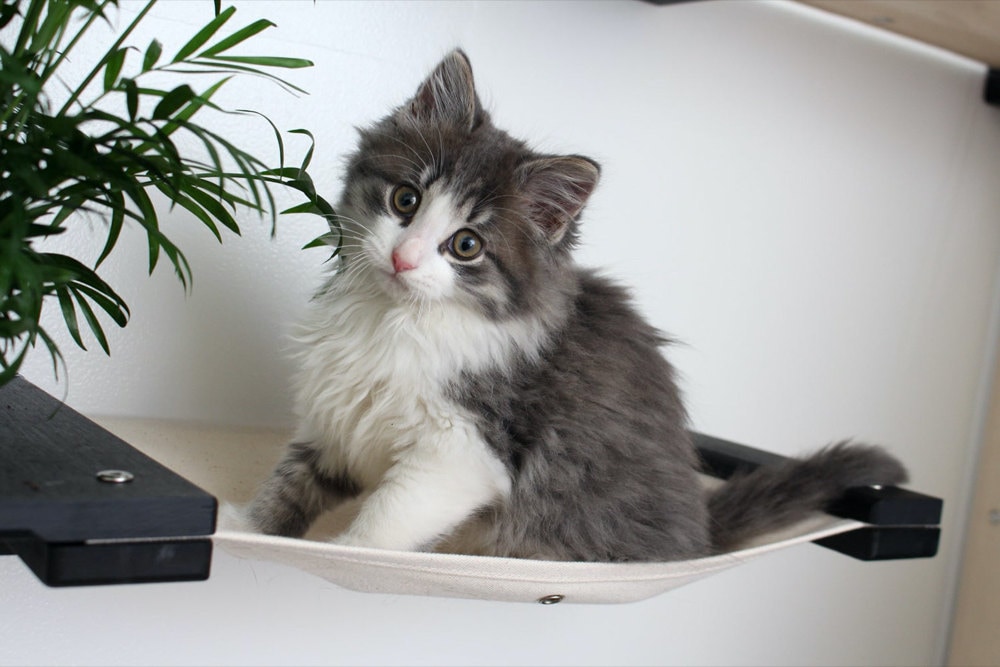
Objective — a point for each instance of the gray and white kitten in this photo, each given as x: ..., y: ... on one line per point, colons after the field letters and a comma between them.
x: 481, y: 392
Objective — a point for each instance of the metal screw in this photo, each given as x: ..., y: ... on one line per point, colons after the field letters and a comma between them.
x: 115, y: 476
x: 550, y: 599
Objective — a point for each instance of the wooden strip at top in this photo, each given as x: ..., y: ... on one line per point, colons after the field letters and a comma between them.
x: 967, y: 27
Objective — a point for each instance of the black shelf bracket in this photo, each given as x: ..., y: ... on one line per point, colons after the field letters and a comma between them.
x: 80, y: 506
x: 904, y: 523
x: 991, y: 89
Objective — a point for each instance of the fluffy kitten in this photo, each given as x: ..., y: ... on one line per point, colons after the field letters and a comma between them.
x: 482, y: 392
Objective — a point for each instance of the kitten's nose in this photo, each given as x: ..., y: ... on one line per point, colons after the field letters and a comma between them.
x: 406, y: 256
x: 400, y: 264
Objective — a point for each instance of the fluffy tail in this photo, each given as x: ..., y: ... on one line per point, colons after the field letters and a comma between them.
x: 773, y: 497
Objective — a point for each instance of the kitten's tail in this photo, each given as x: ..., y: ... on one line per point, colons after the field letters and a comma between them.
x: 773, y: 497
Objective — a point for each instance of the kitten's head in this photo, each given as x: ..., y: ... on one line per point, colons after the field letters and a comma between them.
x: 440, y: 205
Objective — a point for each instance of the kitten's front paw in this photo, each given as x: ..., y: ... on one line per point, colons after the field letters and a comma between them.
x: 234, y: 518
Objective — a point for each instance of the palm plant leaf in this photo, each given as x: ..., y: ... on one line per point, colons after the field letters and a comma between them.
x: 83, y: 159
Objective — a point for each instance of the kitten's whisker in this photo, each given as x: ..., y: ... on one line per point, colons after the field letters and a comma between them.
x: 433, y: 164
x: 421, y: 164
x: 417, y: 166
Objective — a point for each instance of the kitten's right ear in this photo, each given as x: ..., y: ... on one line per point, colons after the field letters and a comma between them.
x: 556, y: 189
x: 447, y: 95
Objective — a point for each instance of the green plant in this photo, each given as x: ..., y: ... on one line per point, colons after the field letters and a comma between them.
x: 102, y: 146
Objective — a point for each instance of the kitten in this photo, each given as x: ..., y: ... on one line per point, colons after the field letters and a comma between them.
x: 485, y: 395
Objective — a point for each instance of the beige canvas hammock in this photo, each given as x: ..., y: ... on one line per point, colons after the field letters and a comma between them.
x: 230, y: 462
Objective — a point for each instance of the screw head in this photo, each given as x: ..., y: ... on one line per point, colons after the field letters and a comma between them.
x: 115, y: 476
x: 551, y: 599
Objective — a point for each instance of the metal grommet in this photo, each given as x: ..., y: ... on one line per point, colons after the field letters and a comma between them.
x: 551, y: 599
x: 115, y: 476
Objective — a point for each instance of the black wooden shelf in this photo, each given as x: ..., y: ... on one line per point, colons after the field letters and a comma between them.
x: 71, y: 528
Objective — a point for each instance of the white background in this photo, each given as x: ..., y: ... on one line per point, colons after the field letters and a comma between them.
x: 811, y: 207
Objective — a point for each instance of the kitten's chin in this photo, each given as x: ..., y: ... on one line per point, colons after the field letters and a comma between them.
x: 395, y: 285
x: 403, y: 289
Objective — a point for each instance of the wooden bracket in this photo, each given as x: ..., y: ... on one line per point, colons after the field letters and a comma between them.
x: 81, y: 506
x: 991, y: 89
x: 904, y: 523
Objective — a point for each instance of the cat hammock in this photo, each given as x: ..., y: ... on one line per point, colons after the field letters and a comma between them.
x: 66, y: 522
x: 503, y: 579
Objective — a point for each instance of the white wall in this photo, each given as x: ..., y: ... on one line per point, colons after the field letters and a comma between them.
x: 809, y: 206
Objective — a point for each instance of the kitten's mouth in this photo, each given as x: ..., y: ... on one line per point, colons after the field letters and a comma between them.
x: 396, y: 277
x: 396, y: 284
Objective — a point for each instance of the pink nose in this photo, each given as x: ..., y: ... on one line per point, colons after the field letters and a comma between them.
x: 400, y: 264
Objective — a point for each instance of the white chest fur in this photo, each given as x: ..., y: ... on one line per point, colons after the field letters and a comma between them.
x: 374, y: 374
x: 372, y: 394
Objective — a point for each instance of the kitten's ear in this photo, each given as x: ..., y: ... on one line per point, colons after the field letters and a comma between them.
x: 556, y: 190
x: 448, y: 94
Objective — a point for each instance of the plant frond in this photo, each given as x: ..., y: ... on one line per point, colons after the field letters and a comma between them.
x: 81, y: 160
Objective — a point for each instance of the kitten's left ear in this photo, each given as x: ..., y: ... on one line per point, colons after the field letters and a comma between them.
x: 447, y: 95
x: 556, y: 190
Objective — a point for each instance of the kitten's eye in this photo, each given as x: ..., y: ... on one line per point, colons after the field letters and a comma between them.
x: 405, y: 200
x: 465, y: 245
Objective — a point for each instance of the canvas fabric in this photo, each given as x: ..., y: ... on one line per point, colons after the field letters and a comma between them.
x: 229, y: 462
x: 501, y: 579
